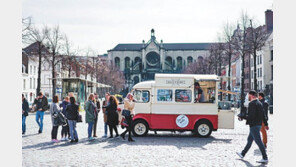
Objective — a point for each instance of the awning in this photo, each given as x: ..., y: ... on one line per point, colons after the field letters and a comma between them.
x: 226, y: 91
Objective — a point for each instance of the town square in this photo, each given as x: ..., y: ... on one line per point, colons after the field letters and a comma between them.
x: 138, y: 83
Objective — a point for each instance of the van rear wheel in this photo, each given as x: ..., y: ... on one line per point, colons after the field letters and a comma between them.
x: 203, y: 129
x: 140, y: 128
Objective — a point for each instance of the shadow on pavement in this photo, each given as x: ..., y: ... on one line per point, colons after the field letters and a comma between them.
x: 248, y: 164
x: 177, y: 140
x: 30, y: 135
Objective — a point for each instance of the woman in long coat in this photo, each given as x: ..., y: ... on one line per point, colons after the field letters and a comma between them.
x: 112, y: 115
x: 90, y: 115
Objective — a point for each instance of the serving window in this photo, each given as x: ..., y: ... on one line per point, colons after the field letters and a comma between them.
x: 209, y: 91
x: 165, y: 95
x: 183, y: 95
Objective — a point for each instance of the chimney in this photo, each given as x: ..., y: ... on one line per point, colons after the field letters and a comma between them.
x: 269, y: 20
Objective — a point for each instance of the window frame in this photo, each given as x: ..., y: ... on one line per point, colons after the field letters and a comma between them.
x: 175, y: 94
x: 142, y: 95
x: 172, y: 99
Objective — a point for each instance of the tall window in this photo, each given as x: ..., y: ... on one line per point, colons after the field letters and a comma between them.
x: 34, y: 69
x: 179, y: 63
x: 24, y: 86
x: 189, y: 60
x: 117, y: 62
x: 127, y: 62
x: 30, y: 69
x: 30, y: 83
x: 34, y: 81
x: 169, y: 63
x: 271, y: 72
x: 271, y: 55
x: 260, y: 59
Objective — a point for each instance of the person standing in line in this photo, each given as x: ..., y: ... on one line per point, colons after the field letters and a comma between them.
x: 90, y: 115
x: 97, y: 110
x: 25, y: 113
x: 128, y: 114
x: 105, y: 103
x: 65, y: 129
x: 54, y: 109
x: 72, y: 117
x: 112, y: 115
x: 41, y: 105
x: 254, y: 120
x: 264, y: 123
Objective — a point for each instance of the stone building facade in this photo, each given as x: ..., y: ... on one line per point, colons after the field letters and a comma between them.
x: 140, y: 61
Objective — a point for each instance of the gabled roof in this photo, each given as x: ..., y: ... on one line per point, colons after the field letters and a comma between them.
x: 166, y: 46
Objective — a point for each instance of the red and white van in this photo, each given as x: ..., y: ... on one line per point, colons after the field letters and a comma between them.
x: 167, y: 103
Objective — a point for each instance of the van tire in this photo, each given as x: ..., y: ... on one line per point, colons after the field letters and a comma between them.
x: 203, y: 128
x: 140, y: 128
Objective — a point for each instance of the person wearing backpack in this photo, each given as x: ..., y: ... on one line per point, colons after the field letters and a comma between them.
x: 25, y: 110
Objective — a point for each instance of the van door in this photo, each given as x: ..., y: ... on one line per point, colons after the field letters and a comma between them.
x: 225, y: 119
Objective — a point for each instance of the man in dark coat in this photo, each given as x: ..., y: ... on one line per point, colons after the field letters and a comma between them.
x: 41, y: 105
x: 25, y: 110
x: 254, y: 119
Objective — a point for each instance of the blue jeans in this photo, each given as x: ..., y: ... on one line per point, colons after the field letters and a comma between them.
x: 72, y: 129
x: 40, y: 115
x: 90, y: 127
x: 106, y: 128
x: 24, y: 123
x: 254, y: 135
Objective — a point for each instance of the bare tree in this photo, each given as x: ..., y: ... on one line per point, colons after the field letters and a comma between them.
x: 26, y: 27
x: 54, y: 40
x: 228, y: 33
x: 69, y: 60
x: 256, y: 40
x: 240, y: 41
x: 37, y: 36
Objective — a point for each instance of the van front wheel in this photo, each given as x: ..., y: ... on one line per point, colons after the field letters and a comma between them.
x: 203, y: 129
x: 140, y: 128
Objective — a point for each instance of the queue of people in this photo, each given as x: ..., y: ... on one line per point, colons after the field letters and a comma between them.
x: 67, y: 115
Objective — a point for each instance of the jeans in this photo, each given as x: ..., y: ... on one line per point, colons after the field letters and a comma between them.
x: 72, y: 127
x: 254, y: 135
x: 40, y: 115
x: 95, y: 126
x: 23, y: 123
x: 90, y: 127
x: 54, y: 132
x: 105, y: 128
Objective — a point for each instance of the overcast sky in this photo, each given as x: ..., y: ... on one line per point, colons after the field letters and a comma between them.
x: 102, y: 24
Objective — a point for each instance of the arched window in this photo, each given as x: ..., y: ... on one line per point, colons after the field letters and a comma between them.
x: 189, y: 60
x: 138, y: 63
x: 168, y: 63
x: 136, y: 80
x: 179, y: 63
x: 127, y: 62
x: 117, y: 62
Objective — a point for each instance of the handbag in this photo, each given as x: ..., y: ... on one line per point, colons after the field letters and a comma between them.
x: 126, y: 113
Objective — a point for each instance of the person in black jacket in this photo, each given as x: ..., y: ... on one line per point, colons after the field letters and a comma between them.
x: 25, y: 110
x: 112, y: 115
x: 72, y: 117
x: 254, y: 118
x: 264, y: 123
x: 41, y: 105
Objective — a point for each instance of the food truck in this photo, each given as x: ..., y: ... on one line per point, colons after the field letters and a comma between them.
x: 168, y: 104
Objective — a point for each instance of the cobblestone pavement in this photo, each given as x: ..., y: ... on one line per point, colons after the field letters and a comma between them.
x: 163, y: 149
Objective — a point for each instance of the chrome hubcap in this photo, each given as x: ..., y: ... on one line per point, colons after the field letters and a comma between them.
x: 140, y: 128
x: 203, y: 129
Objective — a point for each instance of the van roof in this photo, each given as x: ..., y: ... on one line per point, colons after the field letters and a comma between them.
x: 144, y: 84
x: 193, y: 76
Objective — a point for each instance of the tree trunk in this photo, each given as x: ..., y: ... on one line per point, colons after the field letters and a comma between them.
x: 242, y: 82
x: 229, y: 70
x: 39, y: 69
x: 219, y: 74
x: 53, y: 76
x: 255, y: 70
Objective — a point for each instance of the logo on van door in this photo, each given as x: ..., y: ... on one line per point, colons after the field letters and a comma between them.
x: 182, y: 121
